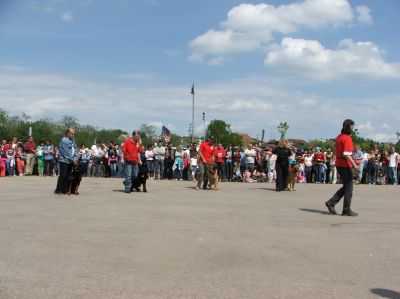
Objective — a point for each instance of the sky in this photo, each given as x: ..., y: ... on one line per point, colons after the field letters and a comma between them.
x: 124, y: 63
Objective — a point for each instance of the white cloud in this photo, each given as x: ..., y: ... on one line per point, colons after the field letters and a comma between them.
x: 216, y: 61
x: 350, y: 60
x: 248, y: 104
x: 364, y: 14
x: 67, y: 16
x: 250, y: 27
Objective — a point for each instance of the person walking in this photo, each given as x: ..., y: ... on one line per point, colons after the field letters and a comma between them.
x: 283, y: 153
x: 67, y: 157
x: 206, y: 151
x: 344, y: 164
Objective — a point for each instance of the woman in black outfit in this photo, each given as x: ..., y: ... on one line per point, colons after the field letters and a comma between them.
x: 282, y: 164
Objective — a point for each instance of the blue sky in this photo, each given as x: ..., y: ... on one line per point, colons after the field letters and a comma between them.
x: 123, y: 63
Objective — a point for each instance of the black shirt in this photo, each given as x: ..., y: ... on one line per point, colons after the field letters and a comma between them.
x: 282, y: 154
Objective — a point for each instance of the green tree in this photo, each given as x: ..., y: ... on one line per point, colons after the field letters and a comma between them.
x: 222, y: 133
x: 148, y: 134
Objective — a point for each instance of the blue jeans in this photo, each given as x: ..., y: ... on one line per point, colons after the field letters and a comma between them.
x: 113, y: 168
x: 120, y: 170
x: 229, y: 169
x: 392, y: 175
x: 159, y: 169
x: 318, y: 172
x: 131, y: 172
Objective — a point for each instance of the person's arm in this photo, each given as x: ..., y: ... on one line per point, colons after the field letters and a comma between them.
x: 350, y: 159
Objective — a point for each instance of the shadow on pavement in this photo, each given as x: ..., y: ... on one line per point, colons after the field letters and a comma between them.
x: 385, y: 293
x: 316, y: 211
x: 268, y: 189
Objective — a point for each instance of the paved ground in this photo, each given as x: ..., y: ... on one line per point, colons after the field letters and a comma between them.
x: 243, y: 241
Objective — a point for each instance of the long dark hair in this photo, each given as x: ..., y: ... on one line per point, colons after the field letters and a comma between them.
x: 347, y: 126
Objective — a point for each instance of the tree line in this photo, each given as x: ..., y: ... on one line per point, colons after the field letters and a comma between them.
x: 48, y: 129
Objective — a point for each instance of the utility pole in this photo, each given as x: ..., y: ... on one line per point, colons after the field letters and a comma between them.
x: 204, y: 124
x: 192, y: 92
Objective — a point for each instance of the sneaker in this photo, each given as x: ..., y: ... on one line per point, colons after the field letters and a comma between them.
x: 331, y: 208
x: 197, y: 188
x: 349, y: 213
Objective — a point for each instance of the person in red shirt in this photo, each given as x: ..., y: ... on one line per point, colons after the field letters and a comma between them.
x: 319, y: 161
x: 131, y: 150
x: 30, y: 149
x: 344, y: 164
x: 206, y: 155
x: 219, y: 154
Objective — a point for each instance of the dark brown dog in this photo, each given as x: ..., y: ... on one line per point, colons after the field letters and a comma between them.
x: 75, y: 179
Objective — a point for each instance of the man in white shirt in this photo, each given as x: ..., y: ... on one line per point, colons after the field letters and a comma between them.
x: 393, y: 160
x: 250, y: 153
x: 159, y: 154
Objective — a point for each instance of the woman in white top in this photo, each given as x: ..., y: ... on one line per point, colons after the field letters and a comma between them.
x: 149, y: 154
x: 308, y: 158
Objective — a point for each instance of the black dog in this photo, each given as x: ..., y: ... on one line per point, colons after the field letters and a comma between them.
x: 75, y: 179
x: 141, y: 179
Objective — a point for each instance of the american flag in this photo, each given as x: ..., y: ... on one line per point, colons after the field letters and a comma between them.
x: 166, y: 134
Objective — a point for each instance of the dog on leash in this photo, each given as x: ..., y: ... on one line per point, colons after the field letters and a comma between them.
x: 293, y: 173
x: 213, y: 178
x: 75, y: 179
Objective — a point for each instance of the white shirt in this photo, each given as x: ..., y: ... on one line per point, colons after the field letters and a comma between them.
x: 308, y: 161
x: 149, y: 155
x: 95, y: 151
x: 193, y: 161
x: 393, y: 160
x: 250, y: 155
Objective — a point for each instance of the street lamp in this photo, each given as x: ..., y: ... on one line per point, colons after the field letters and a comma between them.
x: 204, y: 124
x: 282, y: 128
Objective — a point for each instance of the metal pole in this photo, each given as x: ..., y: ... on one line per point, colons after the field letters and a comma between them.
x: 204, y: 124
x: 193, y: 114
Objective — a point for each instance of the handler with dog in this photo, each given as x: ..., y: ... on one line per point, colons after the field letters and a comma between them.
x: 67, y: 157
x: 131, y: 150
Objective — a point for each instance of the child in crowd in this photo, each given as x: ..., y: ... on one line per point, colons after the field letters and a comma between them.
x: 112, y: 163
x: 193, y: 167
x: 247, y: 176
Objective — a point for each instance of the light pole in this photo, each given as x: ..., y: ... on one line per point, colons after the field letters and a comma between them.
x: 204, y: 124
x: 282, y: 128
x: 192, y: 92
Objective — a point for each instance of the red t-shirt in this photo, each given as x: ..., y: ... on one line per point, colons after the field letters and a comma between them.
x: 130, y: 151
x: 216, y: 152
x: 319, y: 157
x: 344, y: 143
x: 206, y: 150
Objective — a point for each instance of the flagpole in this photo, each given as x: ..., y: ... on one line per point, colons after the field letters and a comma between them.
x: 193, y: 113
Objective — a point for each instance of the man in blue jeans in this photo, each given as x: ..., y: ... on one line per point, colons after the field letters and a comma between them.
x: 131, y: 150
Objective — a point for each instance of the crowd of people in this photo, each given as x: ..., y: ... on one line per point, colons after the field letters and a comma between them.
x: 250, y: 163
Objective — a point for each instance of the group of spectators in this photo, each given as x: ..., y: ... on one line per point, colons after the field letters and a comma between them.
x: 28, y: 158
x: 165, y: 161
